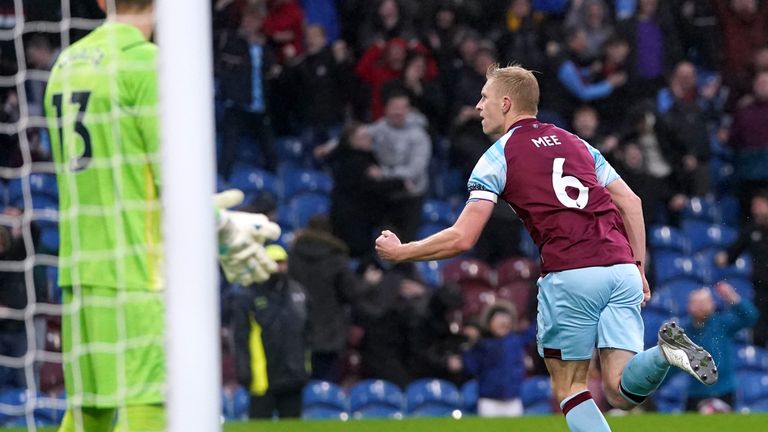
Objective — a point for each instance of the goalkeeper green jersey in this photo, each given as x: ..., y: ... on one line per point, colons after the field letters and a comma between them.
x: 101, y: 107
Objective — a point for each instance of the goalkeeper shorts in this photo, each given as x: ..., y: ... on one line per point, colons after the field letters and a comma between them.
x: 113, y: 347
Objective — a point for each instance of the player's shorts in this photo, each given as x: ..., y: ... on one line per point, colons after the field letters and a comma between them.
x: 113, y: 347
x: 591, y: 307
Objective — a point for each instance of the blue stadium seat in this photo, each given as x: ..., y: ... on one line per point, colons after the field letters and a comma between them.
x: 469, y: 396
x: 751, y: 358
x: 376, y: 399
x: 428, y: 229
x: 432, y: 398
x: 285, y: 216
x: 759, y: 406
x: 450, y: 184
x: 323, y: 413
x: 40, y: 185
x: 49, y: 410
x: 323, y: 394
x: 703, y: 236
x: 252, y: 180
x: 730, y: 209
x: 430, y: 272
x: 304, y: 181
x: 527, y: 245
x: 221, y: 183
x: 290, y: 149
x: 438, y: 212
x: 742, y: 268
x: 702, y: 209
x: 653, y: 319
x: 305, y: 206
x: 668, y: 238
x: 673, y: 393
x: 13, y: 401
x: 671, y: 266
x: 679, y: 291
x: 235, y: 404
x: 750, y: 388
x: 49, y: 239
x: 536, y: 395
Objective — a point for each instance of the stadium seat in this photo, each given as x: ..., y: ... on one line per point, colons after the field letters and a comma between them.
x: 252, y: 180
x: 323, y: 394
x: 730, y: 209
x: 670, y: 266
x: 516, y: 269
x: 536, y: 395
x: 653, y: 319
x: 464, y: 270
x: 702, y: 209
x: 323, y: 413
x: 375, y: 399
x: 673, y: 393
x: 432, y: 398
x: 679, y: 291
x: 235, y: 403
x: 741, y: 268
x: 221, y: 183
x: 290, y: 149
x: 518, y: 293
x: 51, y: 373
x: 667, y: 238
x: 750, y: 388
x: 49, y: 239
x: 13, y: 401
x: 297, y: 182
x: 285, y: 216
x: 476, y: 300
x: 438, y: 212
x: 430, y: 272
x: 527, y: 245
x: 40, y: 185
x: 703, y: 236
x: 305, y: 206
x: 751, y: 358
x: 759, y: 406
x: 50, y: 408
x: 450, y: 184
x: 469, y: 396
x: 427, y: 229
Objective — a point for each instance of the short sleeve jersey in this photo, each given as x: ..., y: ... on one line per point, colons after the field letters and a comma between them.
x: 101, y: 108
x: 556, y: 183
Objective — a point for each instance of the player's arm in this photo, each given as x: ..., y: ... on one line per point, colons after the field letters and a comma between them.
x: 631, y: 208
x: 447, y: 243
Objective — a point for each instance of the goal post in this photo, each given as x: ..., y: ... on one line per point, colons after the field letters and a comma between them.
x: 188, y: 166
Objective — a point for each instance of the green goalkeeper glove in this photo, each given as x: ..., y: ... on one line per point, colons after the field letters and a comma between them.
x: 241, y: 240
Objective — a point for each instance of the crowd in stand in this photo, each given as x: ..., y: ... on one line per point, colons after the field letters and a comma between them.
x: 380, y: 96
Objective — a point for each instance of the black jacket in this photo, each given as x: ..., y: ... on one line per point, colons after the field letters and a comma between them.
x: 234, y: 70
x: 322, y: 85
x: 279, y: 307
x: 319, y: 261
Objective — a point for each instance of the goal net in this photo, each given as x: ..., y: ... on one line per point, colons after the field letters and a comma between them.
x: 81, y: 205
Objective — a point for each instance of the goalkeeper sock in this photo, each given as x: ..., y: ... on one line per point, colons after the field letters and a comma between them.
x: 642, y: 375
x: 582, y: 413
x: 142, y: 418
x: 93, y: 420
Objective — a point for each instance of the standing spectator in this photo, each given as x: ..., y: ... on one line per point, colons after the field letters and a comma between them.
x: 655, y: 47
x: 521, y: 39
x: 385, y: 22
x: 444, y: 36
x: 699, y: 32
x: 684, y: 131
x: 615, y: 60
x: 322, y: 78
x: 717, y: 330
x: 744, y: 29
x: 592, y: 17
x: 380, y: 63
x: 754, y: 239
x: 403, y: 148
x: 246, y: 66
x: 498, y: 362
x: 269, y: 323
x: 40, y: 56
x: 749, y: 140
x: 426, y: 95
x: 284, y: 26
x: 358, y: 190
x: 319, y: 261
x: 652, y: 190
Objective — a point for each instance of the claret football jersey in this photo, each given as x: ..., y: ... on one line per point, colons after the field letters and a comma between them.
x: 556, y: 183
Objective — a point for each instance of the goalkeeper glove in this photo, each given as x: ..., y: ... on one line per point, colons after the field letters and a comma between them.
x: 241, y: 240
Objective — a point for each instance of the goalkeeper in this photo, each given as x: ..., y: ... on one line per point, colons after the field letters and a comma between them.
x: 101, y: 107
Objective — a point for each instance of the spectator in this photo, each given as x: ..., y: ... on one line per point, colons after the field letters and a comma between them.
x: 716, y: 330
x: 444, y: 36
x: 521, y: 39
x: 577, y: 72
x: 749, y: 140
x: 744, y: 29
x: 40, y: 56
x: 322, y: 78
x: 685, y: 132
x: 325, y: 14
x: 497, y: 361
x: 386, y: 22
x: 403, y: 148
x: 380, y: 63
x: 284, y: 26
x: 269, y: 323
x: 614, y: 58
x: 653, y: 191
x: 592, y: 17
x: 754, y: 239
x: 586, y: 124
x: 655, y: 47
x: 358, y: 190
x: 697, y: 25
x: 246, y: 67
x: 426, y: 95
x: 319, y: 261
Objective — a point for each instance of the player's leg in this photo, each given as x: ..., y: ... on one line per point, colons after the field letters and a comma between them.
x: 88, y: 420
x: 569, y: 384
x: 569, y: 307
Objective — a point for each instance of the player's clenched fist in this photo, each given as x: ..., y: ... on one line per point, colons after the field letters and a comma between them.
x: 241, y: 240
x: 387, y: 245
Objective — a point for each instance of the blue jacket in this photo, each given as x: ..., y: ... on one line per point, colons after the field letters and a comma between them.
x: 498, y: 364
x: 717, y: 337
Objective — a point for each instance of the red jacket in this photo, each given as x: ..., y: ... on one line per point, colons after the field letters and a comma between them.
x: 741, y: 37
x: 286, y: 17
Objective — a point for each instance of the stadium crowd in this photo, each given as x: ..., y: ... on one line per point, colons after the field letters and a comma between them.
x: 339, y: 118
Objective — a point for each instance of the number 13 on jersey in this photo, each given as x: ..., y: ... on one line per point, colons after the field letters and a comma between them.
x: 81, y: 159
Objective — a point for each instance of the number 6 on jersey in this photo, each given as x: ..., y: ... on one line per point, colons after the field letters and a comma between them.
x: 560, y: 183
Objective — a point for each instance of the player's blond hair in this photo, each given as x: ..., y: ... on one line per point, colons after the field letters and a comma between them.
x: 518, y: 84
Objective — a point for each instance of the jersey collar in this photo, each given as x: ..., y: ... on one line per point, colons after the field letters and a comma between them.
x: 523, y: 122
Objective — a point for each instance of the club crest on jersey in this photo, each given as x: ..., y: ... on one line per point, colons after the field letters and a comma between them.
x: 546, y: 141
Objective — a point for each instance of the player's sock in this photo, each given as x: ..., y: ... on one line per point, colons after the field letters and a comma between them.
x: 642, y: 375
x: 92, y: 420
x: 142, y: 418
x: 582, y: 413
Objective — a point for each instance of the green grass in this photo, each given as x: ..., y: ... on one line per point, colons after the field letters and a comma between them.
x: 632, y: 423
